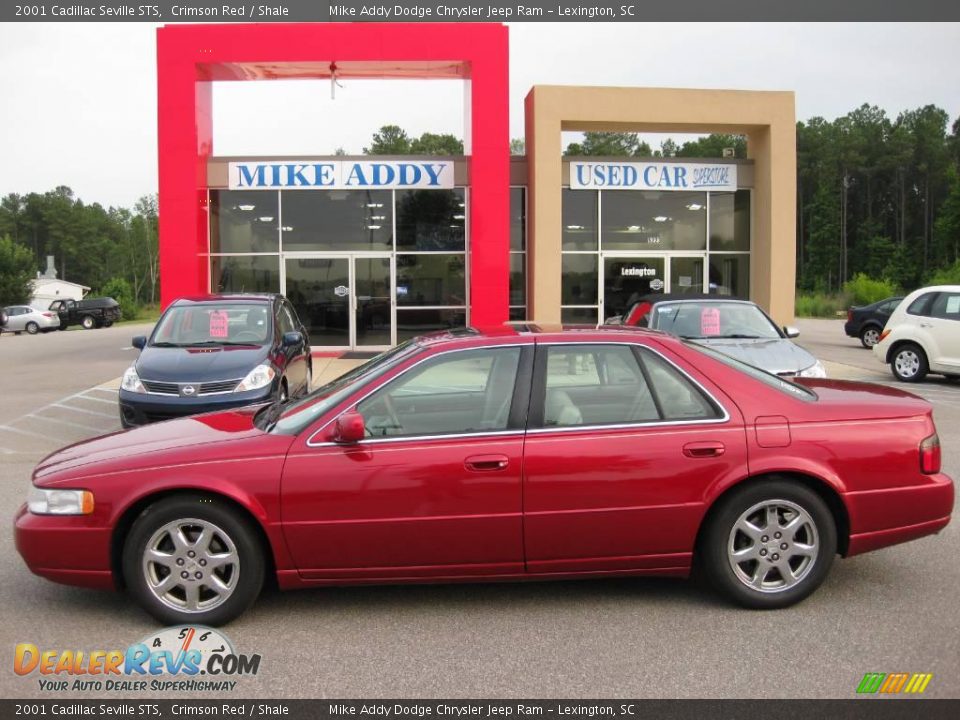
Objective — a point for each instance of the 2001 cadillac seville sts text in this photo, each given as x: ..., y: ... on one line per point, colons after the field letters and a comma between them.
x: 510, y: 454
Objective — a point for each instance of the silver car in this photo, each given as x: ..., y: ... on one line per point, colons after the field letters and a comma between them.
x: 734, y: 327
x: 23, y: 318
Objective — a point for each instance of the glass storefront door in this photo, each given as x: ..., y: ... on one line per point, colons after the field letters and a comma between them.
x: 625, y: 278
x: 344, y: 300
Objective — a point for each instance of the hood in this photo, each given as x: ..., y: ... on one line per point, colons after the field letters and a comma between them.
x: 775, y: 355
x: 191, y: 439
x: 199, y: 364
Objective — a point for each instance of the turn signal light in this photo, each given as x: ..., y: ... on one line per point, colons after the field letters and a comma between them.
x: 930, y: 455
x: 883, y: 335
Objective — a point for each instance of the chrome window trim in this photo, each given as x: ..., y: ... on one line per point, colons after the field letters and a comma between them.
x: 535, y: 431
x: 652, y: 423
x: 310, y: 442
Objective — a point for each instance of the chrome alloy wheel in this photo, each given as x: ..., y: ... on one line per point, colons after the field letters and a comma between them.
x: 871, y: 336
x: 773, y: 546
x: 907, y: 363
x: 191, y: 565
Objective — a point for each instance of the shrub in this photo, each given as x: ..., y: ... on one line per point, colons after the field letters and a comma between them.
x: 120, y: 290
x: 820, y: 305
x: 864, y: 290
x: 946, y: 276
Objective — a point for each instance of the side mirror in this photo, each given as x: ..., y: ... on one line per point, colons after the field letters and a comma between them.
x: 349, y: 428
x: 139, y: 342
x: 292, y: 338
x: 790, y: 331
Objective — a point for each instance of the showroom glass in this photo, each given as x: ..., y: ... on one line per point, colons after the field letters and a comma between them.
x: 730, y: 221
x: 431, y: 220
x: 730, y: 274
x: 579, y: 218
x: 209, y: 323
x: 244, y: 221
x: 518, y: 254
x: 626, y: 280
x: 325, y: 220
x: 312, y: 287
x: 245, y: 274
x: 456, y: 393
x: 661, y: 221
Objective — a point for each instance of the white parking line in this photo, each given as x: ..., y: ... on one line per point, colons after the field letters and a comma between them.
x: 84, y: 410
x: 96, y: 399
x: 8, y: 428
x: 109, y: 391
x: 64, y: 422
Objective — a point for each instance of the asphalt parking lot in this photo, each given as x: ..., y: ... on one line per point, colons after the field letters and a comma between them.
x: 889, y: 611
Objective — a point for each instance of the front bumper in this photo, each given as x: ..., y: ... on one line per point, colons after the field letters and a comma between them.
x: 145, y: 408
x: 67, y: 549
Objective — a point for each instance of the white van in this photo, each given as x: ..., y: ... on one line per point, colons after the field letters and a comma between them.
x: 923, y: 335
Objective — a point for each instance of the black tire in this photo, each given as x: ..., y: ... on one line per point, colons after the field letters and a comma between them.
x: 63, y: 327
x: 869, y: 336
x: 719, y: 534
x: 107, y: 323
x: 908, y: 363
x: 32, y: 328
x: 88, y: 322
x: 225, y: 520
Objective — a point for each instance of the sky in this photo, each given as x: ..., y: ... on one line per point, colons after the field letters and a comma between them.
x: 78, y: 101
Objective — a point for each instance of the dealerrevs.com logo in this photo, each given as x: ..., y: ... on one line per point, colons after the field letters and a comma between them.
x: 894, y: 683
x: 176, y: 659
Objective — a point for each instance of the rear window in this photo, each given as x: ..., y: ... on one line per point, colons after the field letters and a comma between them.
x: 775, y: 381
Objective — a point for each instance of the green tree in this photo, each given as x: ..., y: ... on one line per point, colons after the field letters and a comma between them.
x: 389, y: 140
x: 617, y: 144
x: 433, y: 144
x: 16, y: 271
x: 119, y: 289
x: 518, y: 146
x: 712, y: 146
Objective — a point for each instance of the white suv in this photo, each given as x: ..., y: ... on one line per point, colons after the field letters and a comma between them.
x: 923, y: 335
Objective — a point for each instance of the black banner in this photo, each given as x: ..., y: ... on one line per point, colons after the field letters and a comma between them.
x: 474, y: 10
x: 865, y: 709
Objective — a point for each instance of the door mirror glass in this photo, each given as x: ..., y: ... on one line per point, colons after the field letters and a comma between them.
x: 350, y: 428
x: 790, y: 331
x: 292, y: 338
x: 139, y: 342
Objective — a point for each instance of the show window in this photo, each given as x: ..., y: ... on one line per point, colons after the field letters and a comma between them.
x: 244, y: 221
x: 653, y: 221
x: 344, y: 220
x: 245, y: 273
x: 431, y: 220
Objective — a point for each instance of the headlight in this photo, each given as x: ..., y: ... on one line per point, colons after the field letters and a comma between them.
x: 815, y: 371
x: 41, y: 501
x: 259, y: 377
x: 131, y: 381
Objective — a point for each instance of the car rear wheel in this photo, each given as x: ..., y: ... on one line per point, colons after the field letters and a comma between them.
x: 870, y: 336
x: 909, y: 363
x: 769, y: 545
x: 88, y: 322
x: 32, y: 328
x: 192, y: 559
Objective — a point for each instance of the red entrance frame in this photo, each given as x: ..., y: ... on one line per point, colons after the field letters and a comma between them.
x: 191, y: 57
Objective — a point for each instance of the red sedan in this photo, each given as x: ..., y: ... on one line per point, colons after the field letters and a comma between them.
x: 507, y: 455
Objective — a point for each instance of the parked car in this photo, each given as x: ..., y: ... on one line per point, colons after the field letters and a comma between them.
x: 506, y: 456
x: 216, y: 352
x: 91, y: 313
x: 738, y: 328
x: 866, y: 321
x: 23, y: 318
x: 923, y: 335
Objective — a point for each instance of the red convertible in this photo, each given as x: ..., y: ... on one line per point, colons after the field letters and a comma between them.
x: 514, y: 454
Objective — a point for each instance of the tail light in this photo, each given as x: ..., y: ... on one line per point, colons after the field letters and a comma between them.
x: 849, y: 314
x: 930, y: 455
x: 883, y: 335
x: 49, y: 314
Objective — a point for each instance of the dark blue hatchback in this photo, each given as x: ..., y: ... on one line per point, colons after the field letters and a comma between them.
x: 216, y: 352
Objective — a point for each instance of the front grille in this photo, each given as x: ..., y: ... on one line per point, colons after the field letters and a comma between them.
x: 160, y: 388
x: 213, y: 388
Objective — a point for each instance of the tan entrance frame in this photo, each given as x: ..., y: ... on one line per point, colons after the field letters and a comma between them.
x: 768, y: 119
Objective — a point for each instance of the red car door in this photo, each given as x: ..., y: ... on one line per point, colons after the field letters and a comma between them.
x: 435, y: 489
x: 621, y: 448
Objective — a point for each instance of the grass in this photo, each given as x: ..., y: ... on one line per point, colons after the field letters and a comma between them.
x: 147, y: 313
x: 821, y: 305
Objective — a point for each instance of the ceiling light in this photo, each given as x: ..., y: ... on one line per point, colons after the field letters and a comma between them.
x: 633, y: 228
x: 574, y: 227
x: 378, y: 217
x: 459, y: 217
x: 374, y: 205
x: 661, y: 218
x: 694, y: 206
x: 373, y: 227
x: 266, y: 218
x: 245, y: 208
x: 287, y: 228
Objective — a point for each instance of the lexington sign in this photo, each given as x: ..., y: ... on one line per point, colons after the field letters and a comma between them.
x: 652, y: 176
x: 339, y: 174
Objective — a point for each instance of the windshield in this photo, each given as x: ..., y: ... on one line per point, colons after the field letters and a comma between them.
x: 710, y: 320
x: 213, y: 324
x: 297, y: 415
x: 775, y: 381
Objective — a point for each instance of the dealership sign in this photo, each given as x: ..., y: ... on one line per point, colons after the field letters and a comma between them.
x: 340, y: 175
x: 652, y: 176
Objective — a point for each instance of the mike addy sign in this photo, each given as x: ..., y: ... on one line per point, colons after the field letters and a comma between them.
x: 340, y: 174
x: 652, y: 176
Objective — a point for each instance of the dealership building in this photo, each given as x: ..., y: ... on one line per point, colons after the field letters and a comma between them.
x: 372, y: 250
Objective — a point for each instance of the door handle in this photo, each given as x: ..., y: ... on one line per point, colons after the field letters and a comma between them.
x: 926, y: 325
x: 704, y: 449
x: 486, y: 463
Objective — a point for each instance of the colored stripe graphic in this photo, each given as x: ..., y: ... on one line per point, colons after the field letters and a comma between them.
x: 893, y: 683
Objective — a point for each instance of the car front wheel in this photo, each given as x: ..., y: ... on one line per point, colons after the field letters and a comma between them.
x: 193, y: 559
x: 88, y: 322
x: 769, y: 545
x: 909, y: 363
x: 870, y: 336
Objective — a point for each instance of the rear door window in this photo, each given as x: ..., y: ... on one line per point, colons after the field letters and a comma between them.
x: 946, y: 306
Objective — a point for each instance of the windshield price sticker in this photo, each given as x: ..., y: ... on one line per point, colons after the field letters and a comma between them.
x: 219, y: 324
x: 709, y: 322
